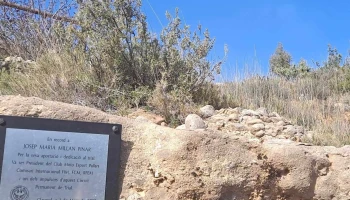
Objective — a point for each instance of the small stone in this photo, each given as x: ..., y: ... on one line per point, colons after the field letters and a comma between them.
x: 276, y: 119
x: 207, y: 111
x: 266, y: 119
x: 156, y: 174
x: 269, y: 126
x: 273, y: 133
x: 279, y: 128
x: 236, y: 110
x: 238, y: 127
x: 260, y: 134
x: 288, y: 127
x: 220, y: 124
x: 280, y: 123
x: 134, y: 196
x: 163, y: 124
x: 262, y: 111
x: 289, y: 130
x: 233, y: 117
x: 282, y: 137
x: 216, y: 118
x: 246, y: 112
x: 269, y: 132
x: 257, y: 127
x: 247, y: 118
x: 193, y: 122
x: 254, y: 121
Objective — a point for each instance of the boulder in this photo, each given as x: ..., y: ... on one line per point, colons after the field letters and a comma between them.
x: 207, y: 111
x: 193, y: 122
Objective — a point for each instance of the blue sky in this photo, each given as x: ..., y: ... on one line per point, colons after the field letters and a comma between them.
x: 253, y: 28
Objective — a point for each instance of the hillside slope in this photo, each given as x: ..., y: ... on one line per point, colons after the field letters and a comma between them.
x: 164, y: 163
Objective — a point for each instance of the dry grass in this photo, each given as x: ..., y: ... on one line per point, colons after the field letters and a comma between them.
x: 59, y: 77
x: 309, y: 102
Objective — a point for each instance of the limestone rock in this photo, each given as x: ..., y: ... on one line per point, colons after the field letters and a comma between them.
x: 193, y: 122
x: 233, y: 117
x: 260, y: 134
x: 290, y: 130
x: 246, y: 112
x: 262, y: 111
x: 258, y: 127
x: 266, y: 119
x: 280, y: 123
x: 254, y: 121
x: 207, y: 111
x: 236, y: 127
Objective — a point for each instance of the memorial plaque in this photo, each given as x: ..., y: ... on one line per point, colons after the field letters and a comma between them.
x: 46, y: 159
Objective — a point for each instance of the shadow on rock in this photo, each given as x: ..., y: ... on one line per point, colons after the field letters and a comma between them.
x: 124, y: 156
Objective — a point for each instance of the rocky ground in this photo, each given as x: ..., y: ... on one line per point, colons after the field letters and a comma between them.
x: 250, y: 123
x: 226, y: 154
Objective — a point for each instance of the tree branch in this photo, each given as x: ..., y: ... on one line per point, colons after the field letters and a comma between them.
x: 37, y: 12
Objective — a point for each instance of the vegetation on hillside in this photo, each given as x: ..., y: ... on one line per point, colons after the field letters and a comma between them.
x: 102, y: 54
x: 317, y: 99
x: 105, y: 56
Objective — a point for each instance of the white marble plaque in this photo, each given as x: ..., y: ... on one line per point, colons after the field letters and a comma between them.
x: 51, y: 165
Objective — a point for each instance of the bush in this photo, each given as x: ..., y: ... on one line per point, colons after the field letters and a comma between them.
x: 281, y: 65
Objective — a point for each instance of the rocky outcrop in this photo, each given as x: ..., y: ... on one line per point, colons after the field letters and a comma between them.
x: 163, y: 163
x: 254, y: 124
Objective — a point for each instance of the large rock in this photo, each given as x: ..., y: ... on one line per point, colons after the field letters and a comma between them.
x: 163, y: 163
x: 207, y: 111
x: 193, y: 122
